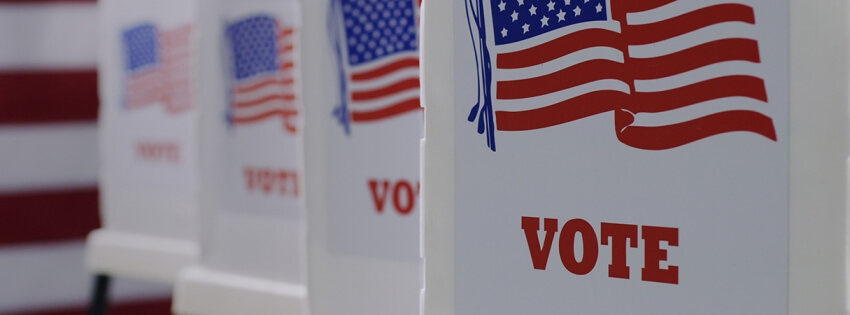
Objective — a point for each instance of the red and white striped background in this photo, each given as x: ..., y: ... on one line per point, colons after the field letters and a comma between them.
x: 48, y: 162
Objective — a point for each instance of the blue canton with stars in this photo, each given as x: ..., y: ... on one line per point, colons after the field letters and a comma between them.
x: 141, y: 47
x: 517, y: 20
x: 378, y: 28
x: 254, y: 47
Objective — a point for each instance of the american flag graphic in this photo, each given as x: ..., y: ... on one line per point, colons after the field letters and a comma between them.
x: 673, y: 72
x: 158, y: 65
x: 376, y: 46
x: 262, y: 51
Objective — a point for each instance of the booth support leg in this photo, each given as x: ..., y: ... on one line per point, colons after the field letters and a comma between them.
x: 100, y: 295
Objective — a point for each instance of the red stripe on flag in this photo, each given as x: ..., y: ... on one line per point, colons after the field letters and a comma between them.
x: 566, y: 111
x: 396, y: 87
x: 153, y: 307
x: 285, y: 32
x: 557, y: 48
x: 286, y: 48
x: 688, y: 22
x: 44, y: 97
x: 264, y: 83
x: 27, y: 218
x: 386, y: 112
x: 695, y: 57
x: 730, y: 86
x: 585, y: 72
x: 386, y: 69
x: 675, y: 135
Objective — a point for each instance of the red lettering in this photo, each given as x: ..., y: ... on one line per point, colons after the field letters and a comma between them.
x: 403, y: 209
x: 267, y: 180
x: 403, y: 194
x: 379, y: 197
x: 152, y: 151
x: 590, y: 247
x: 539, y: 254
x: 283, y: 178
x: 144, y: 151
x: 654, y: 255
x: 619, y: 235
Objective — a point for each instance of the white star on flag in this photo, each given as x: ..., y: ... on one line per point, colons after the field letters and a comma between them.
x: 525, y: 28
x: 521, y: 2
x: 577, y: 10
x: 504, y: 32
x: 514, y: 16
x: 544, y: 21
x: 551, y: 6
x: 561, y: 15
x: 566, y: 2
x: 533, y: 10
x: 502, y: 5
x: 598, y: 8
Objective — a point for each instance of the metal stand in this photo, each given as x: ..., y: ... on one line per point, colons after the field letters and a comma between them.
x: 100, y: 295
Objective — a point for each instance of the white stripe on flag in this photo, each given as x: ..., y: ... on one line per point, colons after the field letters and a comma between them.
x: 563, y: 62
x: 565, y: 94
x: 386, y: 101
x: 672, y: 10
x: 260, y: 93
x: 39, y: 157
x: 265, y: 107
x: 701, y: 36
x: 698, y: 110
x: 380, y: 62
x: 712, y: 71
x: 52, y: 36
x: 386, y: 80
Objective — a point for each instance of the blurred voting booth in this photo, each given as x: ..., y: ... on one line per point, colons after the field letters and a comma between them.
x: 363, y: 126
x: 148, y: 140
x: 252, y: 222
x: 635, y: 157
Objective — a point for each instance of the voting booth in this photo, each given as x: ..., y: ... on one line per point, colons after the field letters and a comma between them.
x: 148, y: 140
x: 253, y: 247
x: 363, y: 126
x: 634, y: 157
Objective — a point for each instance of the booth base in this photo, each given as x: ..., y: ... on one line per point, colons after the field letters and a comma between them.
x: 208, y: 292
x: 139, y: 256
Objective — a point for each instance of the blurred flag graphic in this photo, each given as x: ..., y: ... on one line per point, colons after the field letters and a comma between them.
x: 48, y: 161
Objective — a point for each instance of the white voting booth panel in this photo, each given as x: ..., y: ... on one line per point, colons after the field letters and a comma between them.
x: 364, y: 123
x: 148, y: 140
x: 253, y: 246
x: 634, y: 157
